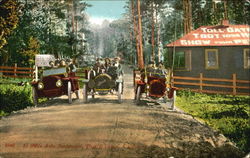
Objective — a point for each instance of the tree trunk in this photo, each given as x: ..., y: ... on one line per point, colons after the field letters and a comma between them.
x: 140, y: 57
x: 153, y: 32
x: 187, y: 18
x: 158, y: 38
x: 135, y: 31
x: 225, y: 10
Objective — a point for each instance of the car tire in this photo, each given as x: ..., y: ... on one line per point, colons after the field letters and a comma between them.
x: 77, y: 94
x: 119, y: 93
x: 34, y: 96
x: 138, y: 95
x: 69, y: 92
x: 85, y: 93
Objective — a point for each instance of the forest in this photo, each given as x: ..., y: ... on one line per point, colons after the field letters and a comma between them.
x: 62, y: 28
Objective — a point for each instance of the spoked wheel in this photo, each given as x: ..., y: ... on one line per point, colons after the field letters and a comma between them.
x: 138, y: 95
x: 85, y: 93
x: 171, y: 99
x: 119, y: 93
x: 34, y: 96
x: 69, y: 92
x: 77, y: 94
x: 165, y: 99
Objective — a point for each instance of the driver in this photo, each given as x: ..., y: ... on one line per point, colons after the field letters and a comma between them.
x: 151, y: 67
x: 161, y: 69
x: 71, y: 65
x: 107, y: 63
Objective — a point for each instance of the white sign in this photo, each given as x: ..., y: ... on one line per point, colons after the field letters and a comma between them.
x: 56, y: 71
x: 43, y: 60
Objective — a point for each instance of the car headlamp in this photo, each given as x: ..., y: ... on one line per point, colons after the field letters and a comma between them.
x: 40, y: 86
x: 59, y: 83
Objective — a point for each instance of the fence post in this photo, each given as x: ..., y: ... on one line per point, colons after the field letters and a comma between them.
x: 15, y: 68
x: 234, y: 84
x: 201, y: 81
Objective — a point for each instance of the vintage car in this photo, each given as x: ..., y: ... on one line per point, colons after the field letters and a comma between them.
x: 101, y: 80
x: 154, y: 84
x: 53, y: 82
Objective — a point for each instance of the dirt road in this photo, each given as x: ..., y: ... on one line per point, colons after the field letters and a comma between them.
x: 105, y: 129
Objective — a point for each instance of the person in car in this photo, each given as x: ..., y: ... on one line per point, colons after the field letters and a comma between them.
x: 62, y: 63
x: 160, y: 70
x: 71, y: 66
x: 52, y: 64
x: 107, y: 63
x: 57, y: 63
x: 151, y: 67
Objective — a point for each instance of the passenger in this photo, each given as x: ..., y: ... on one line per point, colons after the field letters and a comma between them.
x: 117, y: 64
x: 107, y: 63
x: 52, y: 64
x: 68, y: 61
x: 161, y: 71
x: 73, y: 65
x: 62, y: 63
x: 99, y: 66
x: 57, y: 63
x: 151, y: 67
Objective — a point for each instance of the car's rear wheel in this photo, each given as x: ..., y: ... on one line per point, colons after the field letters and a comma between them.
x: 138, y: 95
x: 77, y: 94
x: 69, y: 92
x: 119, y: 93
x: 34, y: 96
x: 85, y: 93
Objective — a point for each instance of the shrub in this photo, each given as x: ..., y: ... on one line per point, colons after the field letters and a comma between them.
x: 226, y: 113
x: 13, y: 97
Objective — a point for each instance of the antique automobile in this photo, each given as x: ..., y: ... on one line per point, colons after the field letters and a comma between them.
x: 153, y: 84
x: 53, y: 81
x: 102, y: 80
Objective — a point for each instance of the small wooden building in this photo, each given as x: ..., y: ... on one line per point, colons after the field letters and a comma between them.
x: 217, y: 52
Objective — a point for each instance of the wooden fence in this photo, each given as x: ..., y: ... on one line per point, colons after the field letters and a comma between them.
x: 26, y: 72
x: 16, y: 72
x: 201, y: 84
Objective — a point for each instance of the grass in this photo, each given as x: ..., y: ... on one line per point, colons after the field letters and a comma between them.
x: 225, y: 113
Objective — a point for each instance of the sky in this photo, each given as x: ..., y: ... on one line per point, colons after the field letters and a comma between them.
x: 105, y: 9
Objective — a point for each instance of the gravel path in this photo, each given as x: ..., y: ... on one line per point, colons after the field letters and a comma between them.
x: 105, y: 129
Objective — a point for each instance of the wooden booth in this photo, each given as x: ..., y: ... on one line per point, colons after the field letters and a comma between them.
x: 213, y: 59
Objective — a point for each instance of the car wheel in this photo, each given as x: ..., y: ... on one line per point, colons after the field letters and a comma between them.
x: 34, y: 96
x: 69, y: 92
x: 119, y: 93
x: 77, y: 94
x: 85, y: 93
x: 138, y: 95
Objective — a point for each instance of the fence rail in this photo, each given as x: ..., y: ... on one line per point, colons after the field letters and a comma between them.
x: 26, y: 72
x: 201, y: 86
x: 16, y: 72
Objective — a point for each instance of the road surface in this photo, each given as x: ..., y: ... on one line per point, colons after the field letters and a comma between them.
x: 105, y: 129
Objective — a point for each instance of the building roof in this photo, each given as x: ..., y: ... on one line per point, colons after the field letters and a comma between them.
x: 221, y: 35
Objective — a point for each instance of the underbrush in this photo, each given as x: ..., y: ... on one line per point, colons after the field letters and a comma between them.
x: 228, y: 114
x: 14, y: 97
